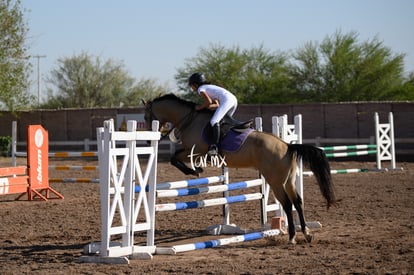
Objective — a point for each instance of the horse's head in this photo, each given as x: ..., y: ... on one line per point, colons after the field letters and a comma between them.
x: 167, y: 108
x: 152, y: 114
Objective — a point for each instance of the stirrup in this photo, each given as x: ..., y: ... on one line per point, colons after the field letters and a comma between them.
x: 212, y: 150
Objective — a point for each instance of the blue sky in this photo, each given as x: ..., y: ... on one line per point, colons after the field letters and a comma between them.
x: 153, y: 38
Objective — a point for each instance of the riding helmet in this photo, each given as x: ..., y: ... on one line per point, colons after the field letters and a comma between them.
x: 197, y: 78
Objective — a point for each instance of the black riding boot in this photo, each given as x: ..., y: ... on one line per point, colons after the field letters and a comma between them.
x: 213, y: 148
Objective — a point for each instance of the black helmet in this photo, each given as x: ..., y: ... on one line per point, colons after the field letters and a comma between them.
x: 197, y: 78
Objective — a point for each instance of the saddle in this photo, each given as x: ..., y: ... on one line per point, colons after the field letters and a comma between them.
x: 228, y: 124
x: 232, y: 133
x: 233, y: 124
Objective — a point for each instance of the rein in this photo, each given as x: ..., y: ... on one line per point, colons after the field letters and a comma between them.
x: 181, y: 125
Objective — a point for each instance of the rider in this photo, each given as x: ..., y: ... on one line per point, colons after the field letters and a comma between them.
x: 214, y: 97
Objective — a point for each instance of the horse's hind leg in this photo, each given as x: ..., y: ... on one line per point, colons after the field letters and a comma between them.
x: 290, y: 189
x: 299, y: 208
x: 284, y: 200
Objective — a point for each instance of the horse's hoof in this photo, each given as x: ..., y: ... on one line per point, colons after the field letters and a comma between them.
x: 199, y: 170
x: 292, y: 241
x: 309, y: 238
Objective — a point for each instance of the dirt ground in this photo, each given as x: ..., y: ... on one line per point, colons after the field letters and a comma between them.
x: 369, y: 232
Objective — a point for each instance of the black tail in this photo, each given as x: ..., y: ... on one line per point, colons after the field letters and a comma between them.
x: 319, y: 165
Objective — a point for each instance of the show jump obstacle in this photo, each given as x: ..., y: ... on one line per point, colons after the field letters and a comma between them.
x: 384, y: 149
x: 126, y: 212
x: 32, y: 179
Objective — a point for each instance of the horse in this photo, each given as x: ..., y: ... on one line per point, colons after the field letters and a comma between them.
x: 275, y: 159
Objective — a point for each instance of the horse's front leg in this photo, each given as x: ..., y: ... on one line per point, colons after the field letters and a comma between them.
x: 176, y: 160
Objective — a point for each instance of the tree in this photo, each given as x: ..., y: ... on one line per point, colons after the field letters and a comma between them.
x: 254, y: 76
x: 406, y: 90
x: 14, y: 65
x: 145, y: 89
x: 341, y: 69
x: 84, y: 81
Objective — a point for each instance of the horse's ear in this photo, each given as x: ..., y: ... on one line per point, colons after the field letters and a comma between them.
x: 144, y: 101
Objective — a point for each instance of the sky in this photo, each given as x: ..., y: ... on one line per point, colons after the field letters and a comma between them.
x: 155, y: 37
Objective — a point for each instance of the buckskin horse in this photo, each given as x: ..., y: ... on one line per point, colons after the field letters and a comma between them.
x: 275, y: 159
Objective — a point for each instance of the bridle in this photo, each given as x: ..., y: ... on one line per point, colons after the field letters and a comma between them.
x: 180, y: 125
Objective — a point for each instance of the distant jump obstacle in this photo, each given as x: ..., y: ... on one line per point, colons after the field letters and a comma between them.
x: 15, y: 154
x: 384, y: 149
x: 32, y: 179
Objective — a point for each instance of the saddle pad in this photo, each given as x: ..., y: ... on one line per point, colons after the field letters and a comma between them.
x: 232, y: 141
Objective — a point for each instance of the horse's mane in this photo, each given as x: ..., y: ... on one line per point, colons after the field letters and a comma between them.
x: 174, y: 98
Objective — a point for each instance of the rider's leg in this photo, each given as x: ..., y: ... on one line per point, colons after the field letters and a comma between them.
x: 226, y: 107
x: 213, y: 148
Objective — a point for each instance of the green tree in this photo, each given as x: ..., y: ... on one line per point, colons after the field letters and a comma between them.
x: 145, y: 89
x: 84, y: 81
x: 406, y: 90
x: 14, y: 64
x: 254, y: 76
x: 341, y: 69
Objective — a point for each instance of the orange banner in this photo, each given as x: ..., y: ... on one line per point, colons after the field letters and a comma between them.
x: 37, y: 157
x: 38, y: 164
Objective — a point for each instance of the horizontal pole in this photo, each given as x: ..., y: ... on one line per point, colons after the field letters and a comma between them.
x: 215, y: 243
x: 206, y: 203
x: 184, y: 183
x: 208, y: 189
x: 341, y: 171
x: 351, y: 154
x: 191, y: 182
x: 73, y: 154
x: 74, y: 167
x: 349, y: 147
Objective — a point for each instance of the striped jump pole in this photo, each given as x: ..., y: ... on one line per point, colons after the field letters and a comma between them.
x: 208, y: 202
x: 74, y: 167
x: 72, y: 154
x: 215, y: 243
x: 358, y: 150
x: 208, y: 189
x: 191, y: 182
x: 63, y: 154
x: 341, y: 171
x: 349, y: 147
x: 185, y: 183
